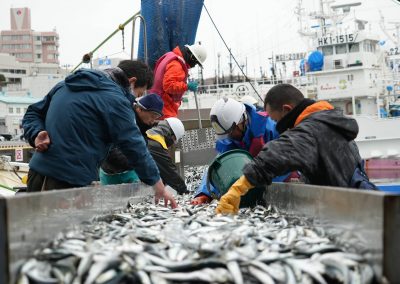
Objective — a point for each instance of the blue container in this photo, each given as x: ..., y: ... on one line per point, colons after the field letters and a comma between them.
x: 393, y: 188
x: 316, y: 61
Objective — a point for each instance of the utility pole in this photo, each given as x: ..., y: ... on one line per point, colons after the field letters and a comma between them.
x: 246, y: 66
x: 230, y: 66
x: 219, y: 56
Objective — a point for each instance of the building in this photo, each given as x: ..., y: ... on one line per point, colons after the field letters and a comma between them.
x: 12, y: 110
x: 23, y: 79
x: 26, y: 44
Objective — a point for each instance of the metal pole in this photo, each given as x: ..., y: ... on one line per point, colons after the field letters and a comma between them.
x: 144, y: 36
x: 219, y: 55
x: 198, y: 110
x: 120, y: 27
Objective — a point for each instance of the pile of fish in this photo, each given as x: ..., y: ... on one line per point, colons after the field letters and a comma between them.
x: 193, y: 176
x: 146, y: 243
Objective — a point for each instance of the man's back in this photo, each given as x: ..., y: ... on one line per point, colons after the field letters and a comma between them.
x: 321, y: 147
x: 80, y: 113
x: 336, y: 153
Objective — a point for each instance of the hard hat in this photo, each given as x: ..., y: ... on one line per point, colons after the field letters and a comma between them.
x: 176, y: 126
x: 199, y: 52
x: 225, y: 114
x: 248, y: 100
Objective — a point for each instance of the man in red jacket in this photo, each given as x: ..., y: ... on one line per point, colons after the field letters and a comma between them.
x: 171, y: 74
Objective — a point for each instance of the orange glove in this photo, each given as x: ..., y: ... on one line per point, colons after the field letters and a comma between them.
x: 202, y: 199
x: 229, y: 202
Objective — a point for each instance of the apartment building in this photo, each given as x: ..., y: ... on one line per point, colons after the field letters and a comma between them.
x: 26, y: 44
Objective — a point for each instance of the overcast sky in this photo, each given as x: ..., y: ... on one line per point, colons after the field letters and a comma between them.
x: 252, y: 28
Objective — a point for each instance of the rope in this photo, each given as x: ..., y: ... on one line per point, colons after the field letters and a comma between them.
x: 215, y: 26
x: 121, y: 27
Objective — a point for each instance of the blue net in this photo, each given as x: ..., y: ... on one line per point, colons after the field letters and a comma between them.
x: 169, y: 23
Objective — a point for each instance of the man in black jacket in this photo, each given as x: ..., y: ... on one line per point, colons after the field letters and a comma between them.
x: 315, y: 139
x: 160, y: 138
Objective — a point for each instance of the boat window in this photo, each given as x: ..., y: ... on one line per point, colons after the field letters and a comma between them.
x: 341, y: 49
x: 369, y: 46
x: 327, y: 50
x: 354, y: 47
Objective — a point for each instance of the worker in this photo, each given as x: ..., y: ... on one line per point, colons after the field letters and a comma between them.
x: 316, y: 139
x: 74, y: 125
x: 161, y: 137
x: 238, y: 126
x: 171, y: 75
x: 115, y: 168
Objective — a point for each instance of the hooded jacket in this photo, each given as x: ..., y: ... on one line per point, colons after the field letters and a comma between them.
x: 320, y: 146
x: 83, y: 116
x: 170, y: 75
x: 159, y: 140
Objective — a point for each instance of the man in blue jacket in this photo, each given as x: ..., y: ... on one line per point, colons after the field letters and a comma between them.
x: 238, y: 126
x: 75, y: 124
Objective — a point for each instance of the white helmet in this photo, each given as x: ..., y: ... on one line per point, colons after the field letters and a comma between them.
x: 199, y: 52
x: 225, y: 114
x: 249, y: 100
x: 176, y: 126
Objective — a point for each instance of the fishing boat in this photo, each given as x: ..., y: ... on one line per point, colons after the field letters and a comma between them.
x: 349, y: 69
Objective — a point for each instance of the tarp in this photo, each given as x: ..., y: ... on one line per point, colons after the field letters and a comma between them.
x: 168, y: 23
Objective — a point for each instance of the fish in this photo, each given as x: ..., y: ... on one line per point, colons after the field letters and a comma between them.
x: 148, y: 243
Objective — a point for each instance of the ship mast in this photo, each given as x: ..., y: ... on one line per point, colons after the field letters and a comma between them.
x: 328, y: 16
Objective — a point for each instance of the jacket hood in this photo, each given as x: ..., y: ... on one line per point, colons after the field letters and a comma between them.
x: 347, y: 126
x: 163, y: 129
x: 88, y: 80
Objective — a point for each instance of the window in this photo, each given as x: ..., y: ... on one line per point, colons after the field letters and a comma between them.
x: 338, y: 64
x: 350, y: 77
x: 23, y: 55
x: 38, y: 38
x: 38, y: 56
x: 341, y: 49
x: 18, y: 110
x: 327, y: 50
x: 48, y: 38
x: 10, y: 110
x: 354, y: 47
x: 369, y: 46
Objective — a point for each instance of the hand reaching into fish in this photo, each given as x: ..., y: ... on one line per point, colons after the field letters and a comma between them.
x: 229, y: 202
x: 42, y: 141
x: 161, y: 193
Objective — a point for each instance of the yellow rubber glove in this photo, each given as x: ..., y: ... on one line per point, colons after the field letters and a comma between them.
x: 229, y: 202
x: 24, y: 179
